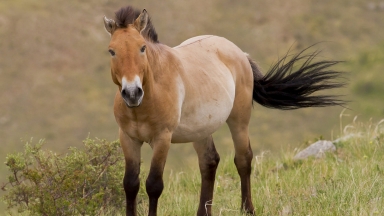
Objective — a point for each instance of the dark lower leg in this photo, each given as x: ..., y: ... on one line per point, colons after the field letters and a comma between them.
x: 154, y: 184
x: 208, y: 162
x: 243, y: 165
x: 208, y: 175
x: 131, y: 180
x: 131, y: 186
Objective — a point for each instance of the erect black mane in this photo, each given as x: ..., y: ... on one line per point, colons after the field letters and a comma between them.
x: 128, y: 15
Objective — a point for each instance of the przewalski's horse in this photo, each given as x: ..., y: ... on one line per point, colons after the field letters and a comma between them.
x: 184, y: 94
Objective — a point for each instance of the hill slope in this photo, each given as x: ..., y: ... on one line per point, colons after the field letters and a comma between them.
x: 54, y: 69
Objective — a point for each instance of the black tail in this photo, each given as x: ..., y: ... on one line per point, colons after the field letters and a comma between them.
x: 281, y: 88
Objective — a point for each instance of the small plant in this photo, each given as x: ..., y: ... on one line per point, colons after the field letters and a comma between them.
x: 82, y: 182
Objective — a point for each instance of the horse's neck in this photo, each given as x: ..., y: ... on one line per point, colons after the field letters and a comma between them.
x: 161, y: 63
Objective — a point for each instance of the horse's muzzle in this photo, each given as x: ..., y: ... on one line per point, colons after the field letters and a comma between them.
x: 132, y: 96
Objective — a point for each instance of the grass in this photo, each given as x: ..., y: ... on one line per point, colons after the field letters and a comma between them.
x: 348, y: 182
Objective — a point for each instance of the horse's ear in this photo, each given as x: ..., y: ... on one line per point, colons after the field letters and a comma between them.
x: 141, y: 21
x: 110, y: 25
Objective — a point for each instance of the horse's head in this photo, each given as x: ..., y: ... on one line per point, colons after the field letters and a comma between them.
x: 128, y: 57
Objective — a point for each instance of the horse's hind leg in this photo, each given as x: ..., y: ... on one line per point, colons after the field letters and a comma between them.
x: 238, y: 125
x: 208, y: 162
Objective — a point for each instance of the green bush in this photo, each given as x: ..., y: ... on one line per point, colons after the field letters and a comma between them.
x: 81, y: 182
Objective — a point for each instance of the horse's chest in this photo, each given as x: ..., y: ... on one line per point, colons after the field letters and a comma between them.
x: 138, y: 130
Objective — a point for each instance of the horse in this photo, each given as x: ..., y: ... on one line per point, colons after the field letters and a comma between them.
x: 184, y: 94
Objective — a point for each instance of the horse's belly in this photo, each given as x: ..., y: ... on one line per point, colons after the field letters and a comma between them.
x: 197, y: 123
x: 208, y: 93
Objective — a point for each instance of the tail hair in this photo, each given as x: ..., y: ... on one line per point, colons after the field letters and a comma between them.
x: 283, y: 88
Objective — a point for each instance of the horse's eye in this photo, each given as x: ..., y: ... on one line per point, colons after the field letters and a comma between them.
x: 111, y: 52
x: 143, y: 48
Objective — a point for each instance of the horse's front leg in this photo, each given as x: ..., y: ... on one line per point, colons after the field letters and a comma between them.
x: 154, y: 183
x: 131, y: 180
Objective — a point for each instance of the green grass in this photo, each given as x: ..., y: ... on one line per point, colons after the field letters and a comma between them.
x: 348, y: 182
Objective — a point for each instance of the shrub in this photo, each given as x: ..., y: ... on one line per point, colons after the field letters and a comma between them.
x: 81, y: 182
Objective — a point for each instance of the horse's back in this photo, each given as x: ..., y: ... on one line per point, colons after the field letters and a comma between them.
x: 210, y: 50
x: 193, y: 40
x: 213, y: 67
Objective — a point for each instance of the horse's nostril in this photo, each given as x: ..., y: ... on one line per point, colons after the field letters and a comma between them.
x: 124, y: 93
x: 132, y: 93
x: 139, y: 92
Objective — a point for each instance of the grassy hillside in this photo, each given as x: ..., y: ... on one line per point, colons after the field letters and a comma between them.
x: 54, y: 65
x: 347, y: 182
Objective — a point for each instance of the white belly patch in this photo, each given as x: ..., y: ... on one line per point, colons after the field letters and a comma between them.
x: 200, y: 119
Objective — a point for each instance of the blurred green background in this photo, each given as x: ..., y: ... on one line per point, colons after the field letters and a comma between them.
x: 54, y: 66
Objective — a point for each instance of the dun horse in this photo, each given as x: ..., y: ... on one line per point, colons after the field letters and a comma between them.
x: 185, y: 93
